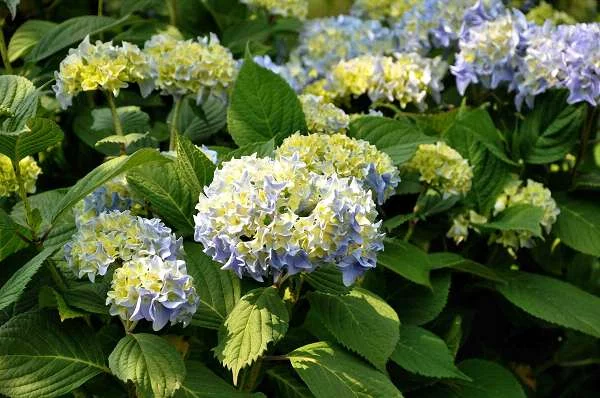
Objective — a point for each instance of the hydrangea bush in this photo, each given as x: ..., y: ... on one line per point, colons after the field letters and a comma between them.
x: 300, y: 198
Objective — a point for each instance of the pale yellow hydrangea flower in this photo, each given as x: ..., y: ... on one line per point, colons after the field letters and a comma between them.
x: 380, y: 9
x: 284, y: 8
x: 323, y: 117
x: 8, y: 181
x: 462, y: 223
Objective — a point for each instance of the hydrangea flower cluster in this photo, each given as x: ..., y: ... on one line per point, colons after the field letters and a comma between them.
x: 461, y: 224
x: 442, y: 168
x: 337, y: 154
x: 263, y: 217
x: 565, y: 56
x: 101, y: 66
x: 113, y: 195
x: 325, y: 42
x: 533, y: 193
x: 115, y: 237
x: 8, y: 181
x: 284, y: 8
x: 153, y: 289
x: 382, y: 9
x: 489, y: 48
x: 405, y: 77
x: 198, y: 68
x: 435, y: 23
x: 292, y: 72
x: 323, y: 117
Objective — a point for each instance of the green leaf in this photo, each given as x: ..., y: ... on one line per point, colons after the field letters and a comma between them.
x: 50, y: 298
x: 330, y: 372
x: 287, y: 384
x: 18, y: 101
x: 418, y: 305
x: 262, y: 106
x: 458, y: 263
x: 41, y: 357
x: 133, y: 120
x: 353, y: 317
x: 578, y: 224
x: 259, y: 318
x: 168, y: 195
x: 405, y: 260
x: 90, y: 297
x: 327, y: 279
x: 131, y: 6
x: 199, y: 122
x: 489, y: 172
x: 422, y: 352
x: 261, y: 149
x: 10, y: 242
x: 103, y: 173
x: 26, y: 37
x: 202, y: 382
x: 37, y: 135
x: 554, y: 301
x: 14, y: 287
x: 550, y: 130
x: 519, y: 218
x: 399, y: 138
x: 69, y: 32
x: 219, y: 290
x: 490, y: 380
x: 113, y: 143
x: 150, y: 362
x: 193, y: 165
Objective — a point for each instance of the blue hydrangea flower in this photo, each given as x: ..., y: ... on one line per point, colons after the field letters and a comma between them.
x: 153, y: 289
x: 114, y: 237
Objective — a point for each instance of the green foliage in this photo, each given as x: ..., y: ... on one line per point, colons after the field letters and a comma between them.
x: 578, y: 224
x: 26, y: 37
x: 255, y: 113
x: 150, y: 362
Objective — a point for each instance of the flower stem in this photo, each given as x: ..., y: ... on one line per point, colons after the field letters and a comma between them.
x: 172, y: 6
x: 56, y: 275
x: 100, y: 7
x: 174, y: 119
x: 590, y: 124
x: 110, y: 98
x: 4, y: 51
x: 23, y: 196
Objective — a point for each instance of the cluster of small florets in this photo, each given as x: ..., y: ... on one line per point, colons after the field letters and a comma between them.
x: 435, y: 23
x: 406, y: 78
x: 325, y: 42
x: 462, y: 223
x: 8, y: 181
x: 292, y: 71
x: 337, y: 154
x: 488, y: 48
x: 101, y: 66
x: 442, y: 168
x: 545, y: 12
x: 383, y: 9
x: 262, y: 217
x: 284, y: 8
x: 198, y: 68
x: 533, y: 193
x: 323, y: 117
x: 150, y: 280
x: 113, y: 195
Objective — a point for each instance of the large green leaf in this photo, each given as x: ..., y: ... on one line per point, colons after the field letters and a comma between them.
x: 405, y: 260
x: 519, y: 218
x: 193, y: 165
x: 13, y: 288
x: 352, y: 317
x: 327, y: 279
x: 10, y: 242
x: 42, y: 357
x: 288, y: 385
x: 331, y: 372
x: 26, y: 37
x: 422, y: 352
x: 578, y: 225
x: 201, y: 382
x: 489, y: 172
x: 489, y: 380
x: 37, y: 135
x: 70, y: 32
x: 209, y: 118
x: 18, y: 102
x: 150, y: 362
x: 417, y: 304
x: 259, y: 318
x: 169, y: 196
x: 219, y: 290
x: 554, y: 301
x: 103, y: 173
x: 550, y: 130
x: 262, y: 106
x: 458, y: 263
x: 399, y: 138
x: 50, y: 298
x: 261, y: 149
